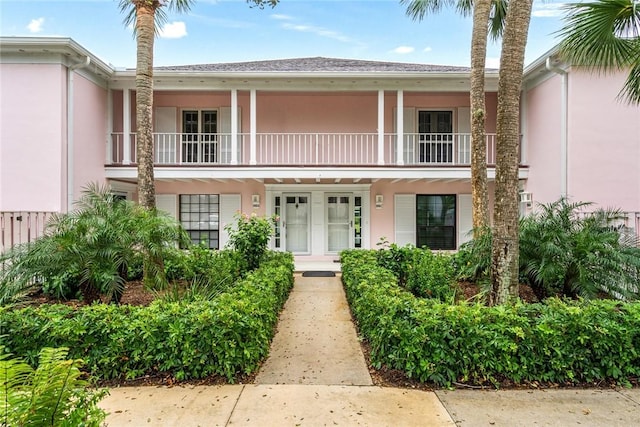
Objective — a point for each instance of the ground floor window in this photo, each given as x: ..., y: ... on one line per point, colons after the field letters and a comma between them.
x: 199, y: 215
x: 436, y: 221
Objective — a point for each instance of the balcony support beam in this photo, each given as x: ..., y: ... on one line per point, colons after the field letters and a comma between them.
x: 400, y: 129
x: 252, y: 127
x: 381, y: 127
x: 234, y: 126
x: 126, y: 127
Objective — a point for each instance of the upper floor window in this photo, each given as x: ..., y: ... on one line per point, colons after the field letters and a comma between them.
x: 199, y: 136
x: 436, y: 136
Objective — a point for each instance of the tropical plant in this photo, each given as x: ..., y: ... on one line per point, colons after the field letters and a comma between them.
x: 504, y: 254
x: 89, y: 249
x: 250, y: 236
x: 604, y: 35
x: 54, y: 394
x: 567, y: 251
x: 493, y: 13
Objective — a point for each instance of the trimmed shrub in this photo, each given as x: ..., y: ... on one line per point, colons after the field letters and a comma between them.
x: 558, y: 341
x: 227, y: 336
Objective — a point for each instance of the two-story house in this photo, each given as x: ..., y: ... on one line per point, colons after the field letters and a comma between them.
x: 345, y: 152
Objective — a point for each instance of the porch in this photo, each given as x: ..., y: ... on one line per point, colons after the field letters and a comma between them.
x: 302, y: 149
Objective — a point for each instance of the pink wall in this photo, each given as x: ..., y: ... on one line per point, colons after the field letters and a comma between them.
x: 543, y: 118
x: 32, y: 120
x: 604, y: 142
x: 90, y: 128
x: 246, y: 189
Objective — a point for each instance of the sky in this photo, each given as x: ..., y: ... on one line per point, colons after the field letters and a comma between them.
x: 232, y: 31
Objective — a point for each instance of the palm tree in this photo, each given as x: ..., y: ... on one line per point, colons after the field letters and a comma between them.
x: 604, y: 35
x: 504, y: 253
x: 484, y: 11
x: 146, y: 16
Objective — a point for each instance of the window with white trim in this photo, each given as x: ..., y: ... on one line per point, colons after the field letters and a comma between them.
x: 199, y: 136
x: 436, y: 136
x: 200, y: 217
x: 436, y: 221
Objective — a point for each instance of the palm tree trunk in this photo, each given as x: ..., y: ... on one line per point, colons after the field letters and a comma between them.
x: 504, y: 253
x: 480, y: 211
x: 145, y: 31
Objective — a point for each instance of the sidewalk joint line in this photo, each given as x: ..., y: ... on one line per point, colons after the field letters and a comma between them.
x: 235, y: 405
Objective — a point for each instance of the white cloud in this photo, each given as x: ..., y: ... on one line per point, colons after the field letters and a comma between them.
x: 403, y: 50
x: 427, y: 49
x: 323, y: 32
x: 548, y: 10
x: 173, y: 30
x: 492, y: 62
x: 35, y: 26
x: 281, y: 17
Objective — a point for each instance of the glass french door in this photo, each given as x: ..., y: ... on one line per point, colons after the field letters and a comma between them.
x: 296, y: 223
x: 339, y: 214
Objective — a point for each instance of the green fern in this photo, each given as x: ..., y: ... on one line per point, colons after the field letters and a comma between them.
x: 54, y: 394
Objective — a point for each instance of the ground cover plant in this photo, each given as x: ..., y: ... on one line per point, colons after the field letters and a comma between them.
x: 555, y: 342
x: 226, y: 336
x: 54, y: 394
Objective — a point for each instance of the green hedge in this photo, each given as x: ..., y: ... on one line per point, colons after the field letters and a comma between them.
x: 227, y: 336
x: 442, y: 343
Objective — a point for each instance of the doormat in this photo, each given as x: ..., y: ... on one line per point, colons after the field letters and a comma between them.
x: 318, y: 274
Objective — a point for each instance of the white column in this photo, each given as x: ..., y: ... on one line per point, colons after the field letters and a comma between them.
x: 400, y: 129
x: 381, y: 127
x: 109, y: 138
x: 126, y: 127
x: 234, y: 126
x: 252, y: 125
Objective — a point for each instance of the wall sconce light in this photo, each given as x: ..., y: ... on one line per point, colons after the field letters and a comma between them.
x: 255, y: 200
x: 379, y: 200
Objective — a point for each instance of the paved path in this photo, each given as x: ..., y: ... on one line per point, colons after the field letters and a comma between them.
x: 316, y: 342
x: 316, y: 376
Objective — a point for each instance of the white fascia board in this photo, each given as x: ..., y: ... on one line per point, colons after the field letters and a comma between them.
x: 303, y: 173
x: 50, y: 45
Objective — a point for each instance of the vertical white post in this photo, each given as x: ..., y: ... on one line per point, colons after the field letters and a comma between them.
x: 252, y: 125
x: 381, y: 127
x: 109, y: 137
x: 126, y: 127
x: 234, y: 126
x: 400, y: 129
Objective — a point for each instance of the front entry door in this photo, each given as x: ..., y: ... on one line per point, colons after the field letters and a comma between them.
x: 296, y: 223
x: 339, y: 222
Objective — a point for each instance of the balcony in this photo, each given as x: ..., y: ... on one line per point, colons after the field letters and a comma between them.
x: 302, y: 149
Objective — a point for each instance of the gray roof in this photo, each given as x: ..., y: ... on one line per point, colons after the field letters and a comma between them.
x: 316, y: 64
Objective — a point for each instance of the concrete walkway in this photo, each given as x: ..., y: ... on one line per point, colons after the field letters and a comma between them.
x: 316, y: 375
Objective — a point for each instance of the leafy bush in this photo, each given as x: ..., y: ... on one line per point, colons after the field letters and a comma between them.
x: 560, y: 342
x: 227, y: 336
x: 565, y: 251
x: 250, y: 236
x: 395, y: 259
x: 431, y: 275
x: 54, y: 394
x: 89, y: 249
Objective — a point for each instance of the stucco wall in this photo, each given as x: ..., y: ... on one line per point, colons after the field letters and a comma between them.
x: 604, y: 142
x: 32, y: 114
x: 90, y: 109
x: 543, y: 136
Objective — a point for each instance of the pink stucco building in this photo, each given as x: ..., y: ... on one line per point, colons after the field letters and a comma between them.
x: 346, y: 152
